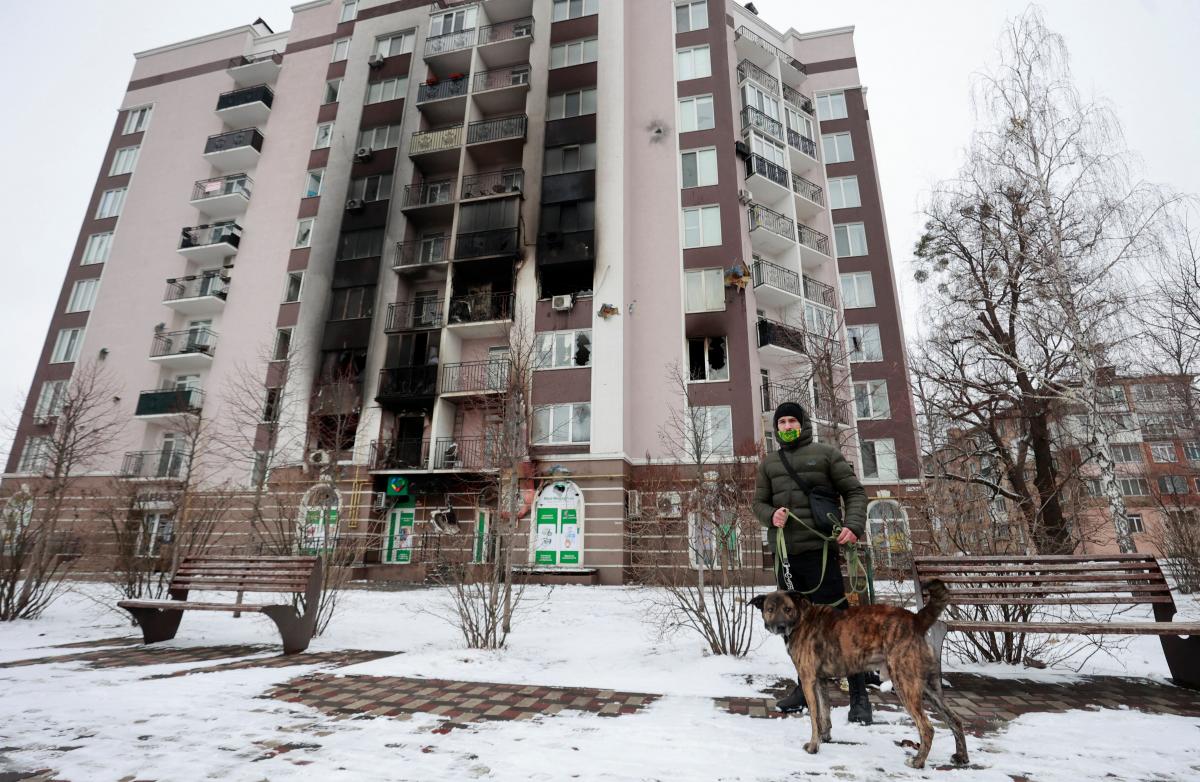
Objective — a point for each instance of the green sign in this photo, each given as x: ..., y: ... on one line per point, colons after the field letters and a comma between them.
x: 399, y: 537
x: 568, y: 538
x: 397, y: 486
x: 480, y: 552
x: 558, y: 525
x: 546, y: 548
x: 320, y: 529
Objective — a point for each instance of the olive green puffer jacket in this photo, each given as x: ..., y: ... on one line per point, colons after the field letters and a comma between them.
x: 820, y: 464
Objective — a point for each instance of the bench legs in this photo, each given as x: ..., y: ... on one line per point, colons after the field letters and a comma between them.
x: 1183, y: 658
x: 157, y: 624
x: 295, y: 630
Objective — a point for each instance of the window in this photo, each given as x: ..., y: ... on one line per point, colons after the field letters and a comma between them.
x: 562, y: 424
x: 1191, y: 451
x: 451, y: 22
x: 371, y: 188
x: 1156, y: 392
x: 1162, y: 452
x: 1173, y: 484
x: 564, y: 160
x: 710, y: 429
x: 574, y: 53
x: 850, y: 239
x: 693, y: 63
x: 1118, y: 422
x: 864, y: 344
x: 349, y: 11
x: 843, y: 193
x: 764, y: 147
x: 324, y: 135
x: 396, y: 43
x: 572, y: 104
x: 36, y: 455
x: 66, y: 347
x: 758, y: 98
x: 857, y: 290
x: 713, y: 542
x: 1133, y: 487
x: 1112, y: 395
x: 137, y: 120
x: 271, y: 405
x: 83, y: 296
x: 1125, y: 454
x: 702, y: 226
x: 707, y: 360
x: 341, y: 49
x: 50, y: 401
x: 879, y: 459
x: 295, y: 284
x: 696, y: 114
x: 1135, y: 523
x: 699, y: 167
x: 388, y: 89
x: 1157, y: 424
x: 691, y: 16
x: 871, y: 399
x: 304, y: 229
x: 799, y: 122
x: 110, y: 203
x: 352, y: 303
x: 831, y: 106
x: 124, y: 161
x: 97, y: 247
x: 836, y: 148
x: 382, y: 137
x: 573, y: 9
x: 312, y: 183
x: 283, y: 345
x: 360, y: 244
x: 333, y: 88
x: 819, y: 320
x: 560, y: 349
x: 704, y: 290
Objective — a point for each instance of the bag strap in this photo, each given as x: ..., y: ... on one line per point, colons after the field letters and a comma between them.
x: 804, y: 485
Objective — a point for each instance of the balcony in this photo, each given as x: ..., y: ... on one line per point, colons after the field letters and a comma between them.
x: 779, y: 339
x: 251, y: 69
x: 748, y: 70
x: 499, y: 242
x: 437, y: 148
x: 814, y: 245
x: 223, y: 197
x: 237, y: 150
x: 506, y: 42
x: 501, y: 90
x: 406, y: 454
x: 810, y: 198
x: 471, y: 378
x: 190, y: 349
x: 415, y: 315
x: 481, y: 315
x: 774, y: 285
x: 434, y: 200
x: 442, y: 90
x: 504, y: 136
x: 753, y: 118
x: 802, y: 102
x: 770, y: 232
x: 820, y: 293
x: 466, y: 453
x: 210, y: 243
x: 246, y: 107
x: 556, y: 248
x: 168, y: 465
x: 768, y: 181
x: 752, y: 46
x: 802, y: 150
x: 169, y: 402
x: 443, y: 101
x: 422, y: 254
x: 493, y: 183
x: 198, y: 294
x: 407, y: 387
x: 451, y: 52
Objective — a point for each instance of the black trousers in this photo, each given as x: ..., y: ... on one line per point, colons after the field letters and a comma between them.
x: 806, y: 576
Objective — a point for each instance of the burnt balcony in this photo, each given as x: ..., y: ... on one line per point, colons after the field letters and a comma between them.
x: 774, y: 285
x: 465, y: 453
x: 480, y: 314
x: 237, y: 150
x: 507, y: 134
x: 407, y: 387
x: 168, y: 465
x: 475, y: 377
x: 779, y: 339
x: 404, y: 454
x: 246, y: 107
x: 819, y: 292
x: 767, y: 180
x: 223, y: 197
x: 754, y: 47
x: 197, y: 294
x: 260, y: 68
x: 802, y: 102
x: 209, y: 243
x: 414, y: 315
x: 451, y: 52
x: 562, y: 248
x: 189, y: 349
x: 814, y: 245
x: 493, y: 183
x: 810, y: 200
x: 748, y: 70
x: 502, y: 89
x: 770, y: 232
x: 753, y: 118
x: 506, y: 42
x: 421, y: 254
x: 169, y: 402
x: 496, y: 243
x: 443, y: 101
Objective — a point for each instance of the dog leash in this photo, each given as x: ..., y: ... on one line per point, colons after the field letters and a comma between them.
x: 854, y: 565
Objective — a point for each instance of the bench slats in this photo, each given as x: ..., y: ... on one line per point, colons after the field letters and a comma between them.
x: 239, y: 586
x: 251, y: 560
x: 1058, y: 601
x: 263, y: 571
x: 1095, y: 628
x: 1114, y: 578
x: 183, y: 605
x: 984, y: 559
x: 1134, y: 567
x: 1061, y: 589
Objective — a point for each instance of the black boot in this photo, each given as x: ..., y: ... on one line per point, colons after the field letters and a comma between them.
x: 792, y: 703
x: 860, y: 704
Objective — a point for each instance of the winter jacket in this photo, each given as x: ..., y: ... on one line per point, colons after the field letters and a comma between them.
x: 820, y: 464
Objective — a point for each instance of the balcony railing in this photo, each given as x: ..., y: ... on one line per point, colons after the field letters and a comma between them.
x: 803, y: 143
x: 491, y: 375
x: 425, y: 251
x: 250, y: 59
x: 223, y: 142
x: 512, y: 76
x: 770, y: 48
x: 752, y: 117
x: 748, y: 70
x: 772, y: 332
x: 413, y: 382
x: 466, y: 453
x: 258, y: 94
x: 481, y: 244
x: 449, y: 42
x: 154, y: 464
x: 806, y: 189
x: 433, y: 193
x: 774, y: 394
x: 511, y: 180
x: 178, y: 343
x: 766, y: 273
x: 497, y: 129
x: 814, y: 239
x: 413, y: 315
x: 819, y: 292
x: 802, y: 102
x: 435, y: 140
x: 196, y: 286
x: 450, y: 88
x: 204, y: 235
x: 405, y: 454
x: 757, y: 164
x: 762, y: 217
x: 478, y: 308
x: 169, y: 401
x: 506, y: 31
x: 235, y: 184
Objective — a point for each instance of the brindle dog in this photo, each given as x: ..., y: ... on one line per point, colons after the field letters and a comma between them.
x: 825, y: 642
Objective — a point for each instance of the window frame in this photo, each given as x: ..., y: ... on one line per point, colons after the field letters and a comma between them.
x: 855, y: 239
x: 540, y: 410
x: 1139, y: 525
x: 706, y: 348
x: 299, y: 243
x: 555, y: 103
x: 92, y: 286
x: 1163, y: 453
x: 287, y: 287
x: 690, y: 52
x: 388, y: 132
x: 333, y: 86
x: 349, y: 11
x: 137, y: 119
x: 585, y: 155
x: 132, y: 160
x: 686, y: 109
x: 343, y: 301
x: 835, y: 139
x: 341, y: 50
x: 65, y: 351
x: 408, y: 43
x: 718, y: 275
x: 551, y: 338
x: 51, y: 399
x: 1191, y: 450
x: 385, y: 90
x: 587, y: 8
x: 872, y: 396
x: 583, y: 48
x: 1171, y: 485
x: 91, y: 245
x: 864, y: 328
x: 110, y: 206
x: 856, y: 278
x: 702, y: 210
x: 838, y: 185
x: 711, y: 448
x: 35, y: 455
x: 689, y: 6
x: 327, y: 141
x: 890, y: 451
x: 360, y: 187
x: 313, y: 175
x: 709, y: 153
x: 829, y: 100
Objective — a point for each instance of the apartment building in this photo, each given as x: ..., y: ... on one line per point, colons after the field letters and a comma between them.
x: 350, y: 228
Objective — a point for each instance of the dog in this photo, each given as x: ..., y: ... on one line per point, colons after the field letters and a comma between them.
x: 825, y: 642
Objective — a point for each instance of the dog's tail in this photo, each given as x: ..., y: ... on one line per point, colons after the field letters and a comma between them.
x: 939, y: 598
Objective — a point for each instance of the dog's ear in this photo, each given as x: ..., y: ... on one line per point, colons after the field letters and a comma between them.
x: 799, y: 600
x: 758, y: 600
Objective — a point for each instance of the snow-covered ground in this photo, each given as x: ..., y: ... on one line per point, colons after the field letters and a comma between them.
x: 215, y: 725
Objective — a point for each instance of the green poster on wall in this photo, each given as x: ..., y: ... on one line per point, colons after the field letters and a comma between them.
x: 546, y: 548
x: 568, y: 537
x: 398, y: 545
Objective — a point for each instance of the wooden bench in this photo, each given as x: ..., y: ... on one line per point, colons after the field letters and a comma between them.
x: 159, y: 619
x: 1116, y: 580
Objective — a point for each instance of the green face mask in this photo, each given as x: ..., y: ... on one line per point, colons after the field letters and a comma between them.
x: 789, y: 435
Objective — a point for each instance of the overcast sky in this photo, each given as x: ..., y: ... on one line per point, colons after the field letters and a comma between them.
x: 69, y: 64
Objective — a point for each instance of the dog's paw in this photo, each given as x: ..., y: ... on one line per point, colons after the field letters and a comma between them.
x: 914, y: 763
x: 812, y: 747
x: 826, y: 736
x: 959, y: 759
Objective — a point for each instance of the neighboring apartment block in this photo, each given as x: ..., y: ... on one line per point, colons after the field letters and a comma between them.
x: 350, y: 229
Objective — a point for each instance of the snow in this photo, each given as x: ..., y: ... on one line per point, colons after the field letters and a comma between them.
x: 216, y: 725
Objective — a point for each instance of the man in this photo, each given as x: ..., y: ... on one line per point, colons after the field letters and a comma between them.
x: 776, y: 493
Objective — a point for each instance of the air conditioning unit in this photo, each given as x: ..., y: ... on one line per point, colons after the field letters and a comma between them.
x: 745, y: 198
x: 354, y: 205
x: 380, y: 500
x: 562, y: 303
x: 633, y: 504
x: 670, y: 505
x: 318, y: 458
x: 742, y: 149
x: 363, y: 154
x: 376, y: 61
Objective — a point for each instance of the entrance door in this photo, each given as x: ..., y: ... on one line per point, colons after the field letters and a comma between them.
x: 557, y: 538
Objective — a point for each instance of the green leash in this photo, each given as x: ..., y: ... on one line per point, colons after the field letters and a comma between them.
x: 854, y: 565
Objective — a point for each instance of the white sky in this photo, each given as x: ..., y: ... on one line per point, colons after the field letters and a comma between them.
x: 69, y: 64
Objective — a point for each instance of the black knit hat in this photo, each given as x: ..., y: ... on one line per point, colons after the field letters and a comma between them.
x: 788, y: 408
